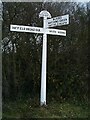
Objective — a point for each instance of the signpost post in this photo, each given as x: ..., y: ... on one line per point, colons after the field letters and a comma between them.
x: 45, y: 15
x: 61, y: 20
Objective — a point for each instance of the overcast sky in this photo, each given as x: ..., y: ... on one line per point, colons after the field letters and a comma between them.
x: 81, y: 0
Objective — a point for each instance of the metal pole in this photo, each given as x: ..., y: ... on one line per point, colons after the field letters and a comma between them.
x: 44, y: 61
x: 0, y: 60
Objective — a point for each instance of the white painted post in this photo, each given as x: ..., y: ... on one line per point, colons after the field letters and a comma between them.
x: 44, y: 61
x: 45, y: 15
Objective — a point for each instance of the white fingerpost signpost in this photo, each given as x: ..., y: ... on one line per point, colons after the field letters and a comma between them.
x: 57, y: 21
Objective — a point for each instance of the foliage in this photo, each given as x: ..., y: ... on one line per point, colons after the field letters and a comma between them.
x: 67, y: 61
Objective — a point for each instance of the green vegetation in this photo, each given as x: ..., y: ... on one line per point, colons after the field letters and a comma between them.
x: 54, y: 109
x: 67, y: 62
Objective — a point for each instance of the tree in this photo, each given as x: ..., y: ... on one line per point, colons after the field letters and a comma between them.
x: 67, y: 56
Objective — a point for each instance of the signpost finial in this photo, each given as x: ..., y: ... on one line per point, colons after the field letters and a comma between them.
x: 45, y: 13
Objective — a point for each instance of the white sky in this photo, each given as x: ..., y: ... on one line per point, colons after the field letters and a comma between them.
x: 80, y: 0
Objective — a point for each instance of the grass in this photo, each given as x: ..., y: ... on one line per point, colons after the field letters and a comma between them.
x: 54, y: 109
